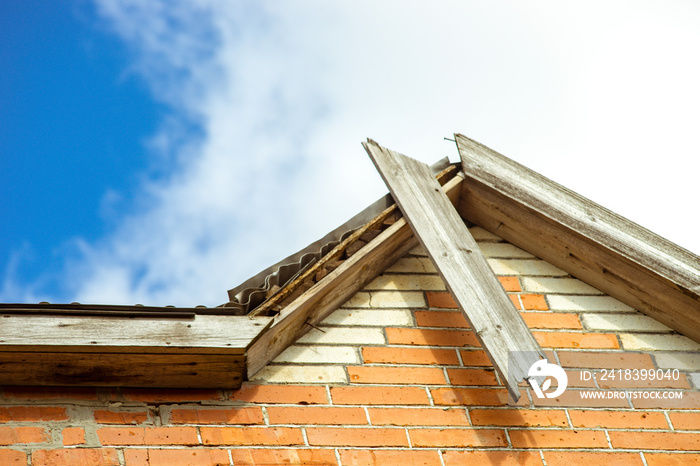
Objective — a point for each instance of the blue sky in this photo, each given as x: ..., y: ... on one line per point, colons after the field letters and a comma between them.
x: 163, y: 152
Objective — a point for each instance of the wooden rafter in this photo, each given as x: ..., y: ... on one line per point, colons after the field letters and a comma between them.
x: 605, y: 250
x: 307, y: 310
x: 496, y: 323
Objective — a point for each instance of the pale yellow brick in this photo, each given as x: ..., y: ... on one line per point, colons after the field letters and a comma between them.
x: 319, y: 354
x: 505, y: 250
x: 586, y: 303
x: 626, y: 322
x: 480, y: 234
x: 657, y: 342
x: 370, y: 317
x: 302, y: 374
x: 557, y: 285
x: 404, y: 299
x: 361, y: 299
x: 684, y: 361
x: 406, y: 282
x: 524, y: 267
x: 344, y: 336
x: 413, y: 265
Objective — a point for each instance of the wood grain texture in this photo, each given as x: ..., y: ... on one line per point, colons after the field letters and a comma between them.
x: 203, y: 334
x: 337, y: 287
x: 202, y: 352
x: 479, y: 295
x: 122, y: 370
x: 605, y: 250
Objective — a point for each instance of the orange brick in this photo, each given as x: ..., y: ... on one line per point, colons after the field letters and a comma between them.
x: 147, y: 436
x: 448, y: 319
x: 253, y: 393
x: 471, y: 377
x: 246, y: 416
x: 620, y: 381
x: 418, y: 417
x: 516, y: 301
x: 690, y: 400
x: 189, y: 456
x: 458, y: 438
x: 558, y: 439
x: 518, y: 417
x: 73, y: 436
x: 576, y: 379
x: 318, y: 415
x: 603, y: 360
x: 32, y: 414
x: 379, y: 396
x: 470, y: 396
x: 429, y: 337
x: 440, y: 299
x: 284, y: 456
x: 510, y: 284
x: 408, y: 457
x: 685, y: 421
x: 500, y: 458
x: 568, y: 458
x: 76, y: 456
x: 379, y: 355
x: 120, y: 417
x: 50, y: 393
x: 397, y: 375
x: 534, y: 302
x: 13, y: 457
x: 475, y: 358
x: 357, y: 437
x: 671, y: 459
x: 251, y: 436
x: 574, y: 399
x: 576, y: 340
x: 655, y: 440
x: 170, y: 395
x: 553, y: 320
x: 618, y: 419
x: 12, y: 435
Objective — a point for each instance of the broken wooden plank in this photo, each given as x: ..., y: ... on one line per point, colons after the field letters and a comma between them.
x: 497, y: 324
x: 605, y: 250
x: 298, y: 317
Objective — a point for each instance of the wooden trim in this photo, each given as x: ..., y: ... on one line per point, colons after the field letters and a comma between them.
x: 479, y: 295
x: 607, y: 251
x: 202, y: 352
x: 341, y: 284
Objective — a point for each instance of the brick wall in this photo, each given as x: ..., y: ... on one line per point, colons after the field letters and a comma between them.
x: 396, y: 376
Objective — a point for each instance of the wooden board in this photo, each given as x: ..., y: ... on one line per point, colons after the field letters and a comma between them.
x: 203, y: 334
x: 497, y: 324
x: 605, y: 250
x: 122, y: 370
x: 336, y: 288
x: 206, y: 351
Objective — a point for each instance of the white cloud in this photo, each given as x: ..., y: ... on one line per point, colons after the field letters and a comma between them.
x: 600, y: 97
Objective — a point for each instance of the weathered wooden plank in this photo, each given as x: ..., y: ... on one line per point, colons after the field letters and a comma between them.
x: 497, y: 324
x: 336, y: 288
x: 605, y: 250
x: 124, y: 370
x: 204, y: 334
